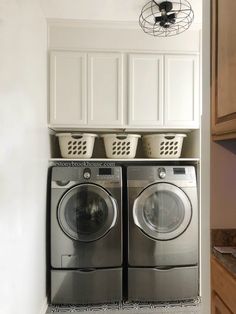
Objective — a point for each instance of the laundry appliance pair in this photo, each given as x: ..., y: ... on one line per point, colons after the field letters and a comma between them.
x: 108, y: 234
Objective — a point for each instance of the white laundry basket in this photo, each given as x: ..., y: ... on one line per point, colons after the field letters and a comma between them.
x: 76, y: 145
x: 167, y: 145
x: 120, y: 145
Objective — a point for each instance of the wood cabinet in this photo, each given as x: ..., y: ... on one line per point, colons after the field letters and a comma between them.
x: 122, y: 90
x: 223, y: 82
x: 218, y: 306
x: 223, y: 289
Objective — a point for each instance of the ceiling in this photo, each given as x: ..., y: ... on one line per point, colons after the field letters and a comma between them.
x: 103, y: 10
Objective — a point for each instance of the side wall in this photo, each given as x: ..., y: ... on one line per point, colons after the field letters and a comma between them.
x: 223, y: 185
x: 24, y: 153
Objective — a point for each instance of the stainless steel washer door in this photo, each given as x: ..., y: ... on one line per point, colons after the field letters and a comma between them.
x: 87, y: 212
x: 162, y: 211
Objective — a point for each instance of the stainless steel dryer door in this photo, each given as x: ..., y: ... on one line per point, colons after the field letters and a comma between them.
x: 162, y: 211
x: 87, y: 212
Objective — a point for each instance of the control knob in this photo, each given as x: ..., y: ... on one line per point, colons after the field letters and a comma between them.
x: 161, y: 173
x: 87, y: 174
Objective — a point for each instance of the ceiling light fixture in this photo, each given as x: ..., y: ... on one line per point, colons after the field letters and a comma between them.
x: 167, y: 18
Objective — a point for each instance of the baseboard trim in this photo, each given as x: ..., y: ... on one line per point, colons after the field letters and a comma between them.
x: 44, y: 306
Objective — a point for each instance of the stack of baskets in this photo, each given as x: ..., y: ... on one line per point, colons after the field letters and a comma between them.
x: 121, y: 146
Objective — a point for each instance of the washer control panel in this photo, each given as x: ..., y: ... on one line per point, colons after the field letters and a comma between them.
x: 86, y: 174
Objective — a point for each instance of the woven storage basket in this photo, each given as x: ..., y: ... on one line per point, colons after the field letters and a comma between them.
x: 163, y: 145
x: 120, y: 145
x: 76, y: 145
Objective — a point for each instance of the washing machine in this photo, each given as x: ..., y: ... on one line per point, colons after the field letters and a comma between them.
x: 162, y: 233
x: 86, y: 235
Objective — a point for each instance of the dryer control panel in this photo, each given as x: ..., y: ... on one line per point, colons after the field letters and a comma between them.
x: 178, y: 175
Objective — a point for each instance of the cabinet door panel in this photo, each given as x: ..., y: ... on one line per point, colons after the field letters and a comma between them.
x: 181, y: 91
x: 68, y: 88
x: 145, y: 90
x: 218, y: 306
x: 223, y: 67
x: 105, y: 89
x: 223, y: 283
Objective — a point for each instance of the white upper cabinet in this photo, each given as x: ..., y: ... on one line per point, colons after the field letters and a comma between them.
x: 145, y: 90
x: 68, y: 88
x: 105, y: 89
x: 181, y: 107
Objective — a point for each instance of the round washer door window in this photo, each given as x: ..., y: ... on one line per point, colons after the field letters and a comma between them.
x: 162, y: 211
x: 87, y: 212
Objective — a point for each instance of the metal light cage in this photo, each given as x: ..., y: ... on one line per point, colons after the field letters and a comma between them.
x: 151, y: 12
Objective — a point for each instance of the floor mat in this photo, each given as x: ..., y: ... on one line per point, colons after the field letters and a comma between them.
x: 187, y: 307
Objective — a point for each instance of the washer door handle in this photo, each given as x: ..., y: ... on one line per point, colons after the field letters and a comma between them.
x: 115, y: 212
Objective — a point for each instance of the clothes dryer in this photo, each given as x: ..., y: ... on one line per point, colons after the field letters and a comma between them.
x: 86, y: 235
x: 162, y: 233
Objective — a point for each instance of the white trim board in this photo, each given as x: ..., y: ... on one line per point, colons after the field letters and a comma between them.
x: 44, y: 306
x: 116, y: 36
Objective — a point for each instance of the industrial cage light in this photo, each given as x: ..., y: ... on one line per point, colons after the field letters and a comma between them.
x: 167, y: 18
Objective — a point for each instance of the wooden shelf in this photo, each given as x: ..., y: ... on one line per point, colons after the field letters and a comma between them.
x: 127, y: 160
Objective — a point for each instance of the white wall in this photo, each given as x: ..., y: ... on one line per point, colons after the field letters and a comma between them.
x: 115, y: 10
x: 24, y: 153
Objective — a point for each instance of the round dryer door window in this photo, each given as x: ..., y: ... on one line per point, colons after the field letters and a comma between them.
x: 87, y: 212
x: 162, y: 211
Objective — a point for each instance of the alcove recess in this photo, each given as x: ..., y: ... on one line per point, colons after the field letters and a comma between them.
x: 190, y: 148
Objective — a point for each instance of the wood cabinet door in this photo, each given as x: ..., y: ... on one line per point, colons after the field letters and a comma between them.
x: 145, y: 90
x: 223, y: 284
x: 181, y: 91
x: 223, y: 76
x: 105, y: 89
x: 218, y: 306
x: 68, y: 88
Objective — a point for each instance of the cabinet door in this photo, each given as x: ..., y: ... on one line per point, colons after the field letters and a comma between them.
x: 145, y: 90
x: 223, y: 68
x: 68, y: 88
x: 105, y: 89
x: 218, y: 306
x: 224, y: 284
x: 182, y: 91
